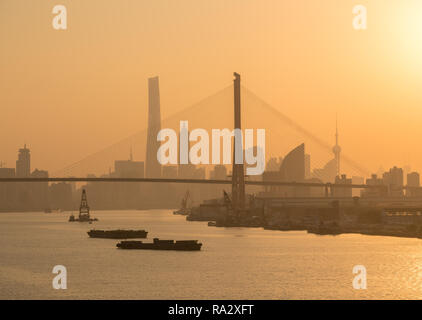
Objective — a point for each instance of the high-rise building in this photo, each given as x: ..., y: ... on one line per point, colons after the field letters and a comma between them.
x: 152, y: 166
x: 413, y: 182
x: 23, y: 164
x: 342, y: 192
x: 406, y: 170
x: 394, y: 177
x: 293, y: 166
x: 413, y: 179
x: 129, y: 169
x: 374, y: 181
x: 128, y: 193
x: 152, y: 195
x: 394, y: 180
x: 292, y: 169
x: 39, y: 191
x: 7, y: 190
x: 337, y: 151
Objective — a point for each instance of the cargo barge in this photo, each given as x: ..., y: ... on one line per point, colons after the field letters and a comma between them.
x: 157, y: 244
x: 117, y: 234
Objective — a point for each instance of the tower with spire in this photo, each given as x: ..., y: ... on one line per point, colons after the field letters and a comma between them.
x: 152, y: 166
x: 337, y: 151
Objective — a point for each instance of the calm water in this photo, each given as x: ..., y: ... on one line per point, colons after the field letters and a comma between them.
x: 235, y: 263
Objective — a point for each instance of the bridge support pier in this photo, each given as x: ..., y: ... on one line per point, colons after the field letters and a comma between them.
x: 238, y: 174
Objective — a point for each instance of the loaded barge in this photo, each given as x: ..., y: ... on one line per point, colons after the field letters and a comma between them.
x: 118, y: 234
x: 157, y: 244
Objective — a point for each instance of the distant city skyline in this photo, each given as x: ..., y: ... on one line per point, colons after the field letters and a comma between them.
x: 154, y: 116
x: 91, y: 78
x: 210, y: 149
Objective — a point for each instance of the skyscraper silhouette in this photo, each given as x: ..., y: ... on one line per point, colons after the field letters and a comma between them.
x: 23, y: 164
x: 152, y: 166
x: 337, y: 151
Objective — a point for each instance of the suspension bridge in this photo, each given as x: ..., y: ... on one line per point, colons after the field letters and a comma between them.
x: 255, y: 112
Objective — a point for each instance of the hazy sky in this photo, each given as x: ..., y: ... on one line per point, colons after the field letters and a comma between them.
x: 70, y: 93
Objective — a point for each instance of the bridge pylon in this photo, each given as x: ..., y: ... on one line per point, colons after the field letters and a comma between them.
x: 238, y: 174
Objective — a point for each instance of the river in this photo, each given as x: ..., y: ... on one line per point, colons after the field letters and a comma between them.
x: 234, y: 263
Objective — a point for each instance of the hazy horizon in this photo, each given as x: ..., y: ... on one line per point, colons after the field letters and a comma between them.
x: 68, y: 94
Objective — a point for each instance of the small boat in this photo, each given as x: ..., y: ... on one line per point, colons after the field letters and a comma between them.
x: 157, y: 244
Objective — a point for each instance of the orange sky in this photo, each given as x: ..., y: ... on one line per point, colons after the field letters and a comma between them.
x: 70, y: 93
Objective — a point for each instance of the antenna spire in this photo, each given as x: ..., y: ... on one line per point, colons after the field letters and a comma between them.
x: 337, y: 151
x: 336, y: 131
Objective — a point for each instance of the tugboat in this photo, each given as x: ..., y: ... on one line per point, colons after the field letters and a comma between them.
x: 83, y: 211
x: 118, y: 234
x: 157, y: 244
x: 184, y: 210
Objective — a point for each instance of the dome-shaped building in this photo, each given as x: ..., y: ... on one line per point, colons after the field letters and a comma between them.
x: 292, y: 168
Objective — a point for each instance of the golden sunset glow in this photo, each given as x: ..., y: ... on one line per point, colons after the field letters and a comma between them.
x: 304, y: 58
x: 261, y: 149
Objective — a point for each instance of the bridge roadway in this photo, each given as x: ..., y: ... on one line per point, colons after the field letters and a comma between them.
x: 196, y: 181
x: 386, y: 202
